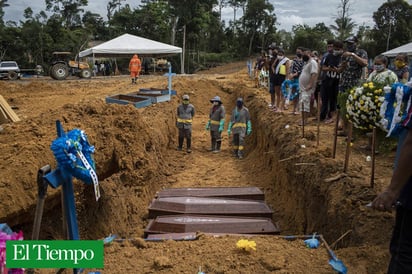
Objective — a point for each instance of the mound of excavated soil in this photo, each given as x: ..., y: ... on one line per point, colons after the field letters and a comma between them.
x: 136, y: 157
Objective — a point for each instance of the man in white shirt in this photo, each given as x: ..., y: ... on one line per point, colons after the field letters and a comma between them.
x: 307, y: 84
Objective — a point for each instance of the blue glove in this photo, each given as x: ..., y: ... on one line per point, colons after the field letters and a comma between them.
x: 222, y: 125
x: 248, y: 128
x: 229, y: 128
x: 208, y: 126
x: 312, y: 243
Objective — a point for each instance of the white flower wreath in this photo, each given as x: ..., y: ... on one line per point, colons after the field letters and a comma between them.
x: 363, y: 106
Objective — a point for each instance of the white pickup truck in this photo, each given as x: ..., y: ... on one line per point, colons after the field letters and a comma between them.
x: 9, y: 70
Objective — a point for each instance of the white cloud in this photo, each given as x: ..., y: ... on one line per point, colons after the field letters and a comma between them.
x: 288, y: 12
x: 16, y: 9
x: 326, y: 11
x: 290, y: 20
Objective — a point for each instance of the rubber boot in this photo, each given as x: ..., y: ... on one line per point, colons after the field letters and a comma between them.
x: 218, y: 145
x: 180, y: 147
x: 133, y: 81
x: 213, y: 147
x: 189, y: 145
x: 240, y: 154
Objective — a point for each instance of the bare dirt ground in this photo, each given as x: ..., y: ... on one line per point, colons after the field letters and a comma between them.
x: 136, y: 157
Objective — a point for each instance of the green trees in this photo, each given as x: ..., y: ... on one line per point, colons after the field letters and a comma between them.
x: 393, y: 25
x: 344, y: 24
x: 313, y: 38
x: 68, y: 10
x: 259, y: 20
x: 65, y: 25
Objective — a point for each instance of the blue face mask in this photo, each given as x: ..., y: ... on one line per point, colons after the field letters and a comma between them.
x: 379, y: 68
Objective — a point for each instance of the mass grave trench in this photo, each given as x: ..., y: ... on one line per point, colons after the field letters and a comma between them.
x: 299, y: 200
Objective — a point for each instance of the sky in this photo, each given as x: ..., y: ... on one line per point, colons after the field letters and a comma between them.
x: 288, y: 12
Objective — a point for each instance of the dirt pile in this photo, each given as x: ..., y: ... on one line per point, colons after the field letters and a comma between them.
x: 135, y: 157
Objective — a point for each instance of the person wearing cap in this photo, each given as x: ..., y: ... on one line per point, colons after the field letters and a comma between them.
x: 216, y: 123
x: 185, y: 114
x: 351, y: 67
x: 352, y: 63
x: 135, y: 66
x: 240, y: 125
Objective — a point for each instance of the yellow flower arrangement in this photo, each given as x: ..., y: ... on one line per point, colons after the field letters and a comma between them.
x: 363, y: 106
x: 246, y: 245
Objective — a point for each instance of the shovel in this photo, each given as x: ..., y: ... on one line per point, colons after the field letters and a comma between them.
x: 336, y: 264
x: 41, y: 195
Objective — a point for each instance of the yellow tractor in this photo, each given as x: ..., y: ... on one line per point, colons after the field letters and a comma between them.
x: 62, y: 67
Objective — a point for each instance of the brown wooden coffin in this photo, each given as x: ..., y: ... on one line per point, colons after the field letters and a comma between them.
x: 246, y: 193
x: 186, y: 223
x: 189, y: 236
x: 208, y: 206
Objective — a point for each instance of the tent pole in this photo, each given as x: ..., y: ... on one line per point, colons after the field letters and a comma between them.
x: 94, y: 73
x: 182, y: 65
x: 183, y: 51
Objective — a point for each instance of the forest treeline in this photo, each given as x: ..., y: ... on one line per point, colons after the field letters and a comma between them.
x: 195, y: 25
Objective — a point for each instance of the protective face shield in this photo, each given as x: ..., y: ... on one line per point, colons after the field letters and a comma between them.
x: 185, y: 99
x: 239, y: 103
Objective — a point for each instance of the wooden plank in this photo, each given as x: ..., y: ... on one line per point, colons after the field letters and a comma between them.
x: 7, y: 109
x: 3, y: 116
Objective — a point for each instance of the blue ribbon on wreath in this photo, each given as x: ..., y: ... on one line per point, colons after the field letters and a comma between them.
x: 66, y: 151
x: 392, y: 126
x: 290, y: 89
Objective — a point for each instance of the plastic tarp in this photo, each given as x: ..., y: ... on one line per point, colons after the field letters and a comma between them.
x: 128, y: 44
x: 407, y: 48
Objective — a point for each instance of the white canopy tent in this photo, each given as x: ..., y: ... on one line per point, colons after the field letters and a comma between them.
x: 407, y: 48
x: 127, y: 45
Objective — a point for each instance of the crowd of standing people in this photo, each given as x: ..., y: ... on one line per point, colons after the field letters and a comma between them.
x: 331, y: 76
x: 298, y: 82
